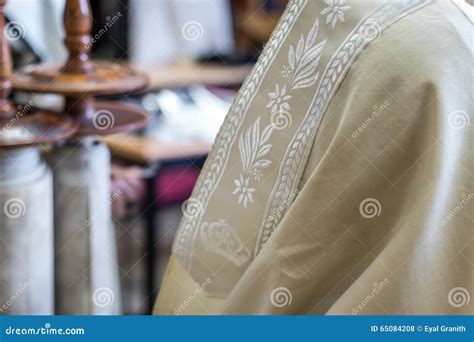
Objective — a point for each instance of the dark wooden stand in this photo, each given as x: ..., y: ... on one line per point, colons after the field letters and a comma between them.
x: 80, y: 79
x: 27, y: 127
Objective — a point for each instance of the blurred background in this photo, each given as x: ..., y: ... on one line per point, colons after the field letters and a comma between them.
x: 196, y: 54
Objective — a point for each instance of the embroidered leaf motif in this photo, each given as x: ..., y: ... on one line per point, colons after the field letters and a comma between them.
x: 266, y: 134
x: 262, y: 164
x: 253, y: 146
x: 291, y: 58
x: 264, y: 150
x: 218, y: 156
x: 303, y: 62
x: 301, y: 71
x: 313, y: 33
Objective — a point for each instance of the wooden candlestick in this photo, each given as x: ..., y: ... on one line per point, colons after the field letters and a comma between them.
x: 7, y: 110
x: 26, y: 126
x: 78, y: 25
x: 80, y: 79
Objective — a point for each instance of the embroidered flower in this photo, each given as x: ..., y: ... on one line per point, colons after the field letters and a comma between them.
x: 335, y: 11
x: 286, y: 72
x: 257, y: 173
x: 279, y: 100
x: 242, y: 188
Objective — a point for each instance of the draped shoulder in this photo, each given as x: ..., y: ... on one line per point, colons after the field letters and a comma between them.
x: 337, y: 169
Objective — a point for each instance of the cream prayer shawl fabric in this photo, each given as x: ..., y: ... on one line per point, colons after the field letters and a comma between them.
x: 341, y: 180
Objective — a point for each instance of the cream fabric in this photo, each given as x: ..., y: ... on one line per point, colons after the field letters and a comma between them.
x: 341, y: 180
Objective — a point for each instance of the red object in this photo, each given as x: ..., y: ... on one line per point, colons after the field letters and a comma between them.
x: 175, y: 185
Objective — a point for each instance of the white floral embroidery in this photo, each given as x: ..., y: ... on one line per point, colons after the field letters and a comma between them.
x: 253, y: 150
x: 245, y: 192
x: 297, y: 154
x: 219, y: 156
x: 301, y: 72
x: 253, y: 145
x: 286, y: 72
x: 335, y: 11
x: 279, y: 100
x: 217, y: 162
x: 303, y: 60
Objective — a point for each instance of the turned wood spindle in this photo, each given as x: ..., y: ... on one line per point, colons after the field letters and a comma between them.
x: 81, y: 79
x: 78, y: 26
x: 7, y: 110
x: 28, y: 126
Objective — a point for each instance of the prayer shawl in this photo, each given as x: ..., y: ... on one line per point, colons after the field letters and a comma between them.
x: 341, y: 179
